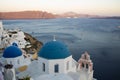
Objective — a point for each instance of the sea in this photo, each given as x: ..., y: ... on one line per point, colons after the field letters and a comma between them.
x: 99, y: 37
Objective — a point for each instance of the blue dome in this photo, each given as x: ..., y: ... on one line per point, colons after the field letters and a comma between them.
x: 15, y: 44
x: 12, y: 52
x: 54, y: 50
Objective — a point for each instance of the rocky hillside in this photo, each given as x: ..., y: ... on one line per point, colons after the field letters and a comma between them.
x: 26, y: 15
x: 35, y: 44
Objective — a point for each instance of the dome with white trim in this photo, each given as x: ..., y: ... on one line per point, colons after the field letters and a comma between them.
x: 12, y: 51
x: 54, y: 50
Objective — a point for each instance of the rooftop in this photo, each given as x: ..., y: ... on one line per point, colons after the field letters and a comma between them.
x: 54, y: 50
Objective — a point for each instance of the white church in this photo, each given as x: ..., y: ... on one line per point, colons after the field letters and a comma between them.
x: 54, y: 62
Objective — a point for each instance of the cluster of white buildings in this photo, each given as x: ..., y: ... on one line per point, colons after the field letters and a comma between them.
x: 54, y: 62
x: 7, y: 37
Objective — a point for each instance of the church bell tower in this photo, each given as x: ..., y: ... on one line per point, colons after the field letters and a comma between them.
x: 85, y: 67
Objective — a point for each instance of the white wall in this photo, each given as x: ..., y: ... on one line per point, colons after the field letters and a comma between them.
x: 22, y: 61
x: 53, y: 62
x: 72, y: 65
x: 17, y: 38
x: 1, y: 30
x: 49, y: 65
x: 1, y: 27
x: 41, y: 61
x: 85, y: 75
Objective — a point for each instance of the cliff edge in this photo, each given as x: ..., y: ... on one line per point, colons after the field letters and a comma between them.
x: 35, y: 44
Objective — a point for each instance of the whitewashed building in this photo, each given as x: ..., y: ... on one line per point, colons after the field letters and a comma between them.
x: 54, y: 62
x: 13, y: 55
x: 54, y: 57
x: 10, y: 36
x: 1, y: 32
x: 7, y: 37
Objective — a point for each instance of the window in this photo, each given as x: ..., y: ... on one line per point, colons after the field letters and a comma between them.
x: 67, y: 66
x: 87, y: 66
x: 43, y: 67
x: 56, y: 68
x: 83, y: 65
x: 10, y: 35
x: 18, y: 61
x: 10, y: 62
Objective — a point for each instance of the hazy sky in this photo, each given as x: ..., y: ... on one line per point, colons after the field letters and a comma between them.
x: 100, y: 7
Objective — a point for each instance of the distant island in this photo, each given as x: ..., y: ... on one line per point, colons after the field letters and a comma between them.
x: 47, y: 15
x: 110, y: 17
x: 26, y: 15
x: 75, y: 15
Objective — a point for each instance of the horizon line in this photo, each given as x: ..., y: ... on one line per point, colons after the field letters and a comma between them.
x: 61, y: 13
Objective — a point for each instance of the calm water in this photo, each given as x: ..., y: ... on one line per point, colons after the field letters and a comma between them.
x: 100, y: 37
